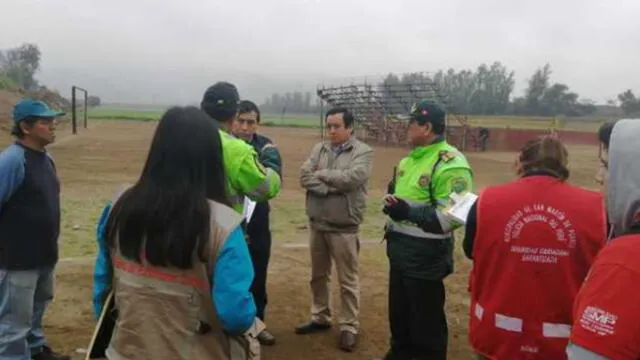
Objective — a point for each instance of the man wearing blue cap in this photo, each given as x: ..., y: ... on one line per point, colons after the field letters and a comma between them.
x: 29, y: 229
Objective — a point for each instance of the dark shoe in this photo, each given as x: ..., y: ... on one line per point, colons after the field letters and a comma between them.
x: 348, y: 341
x: 266, y: 338
x: 311, y: 327
x: 48, y: 354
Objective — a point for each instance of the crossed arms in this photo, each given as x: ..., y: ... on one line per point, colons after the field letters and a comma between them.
x: 324, y: 181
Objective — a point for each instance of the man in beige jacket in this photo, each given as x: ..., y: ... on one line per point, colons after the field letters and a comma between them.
x: 335, y: 178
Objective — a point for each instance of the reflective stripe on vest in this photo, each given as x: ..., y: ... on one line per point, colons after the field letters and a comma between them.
x: 410, y: 229
x: 513, y: 324
x: 139, y: 274
x: 225, y: 217
x: 263, y: 188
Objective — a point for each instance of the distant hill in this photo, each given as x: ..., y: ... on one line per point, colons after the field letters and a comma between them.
x: 10, y: 95
x: 7, y: 100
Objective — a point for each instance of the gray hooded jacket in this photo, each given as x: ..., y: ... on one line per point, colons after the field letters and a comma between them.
x: 623, y: 188
x: 623, y: 196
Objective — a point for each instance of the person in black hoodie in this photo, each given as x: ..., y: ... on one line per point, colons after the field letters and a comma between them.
x: 258, y: 231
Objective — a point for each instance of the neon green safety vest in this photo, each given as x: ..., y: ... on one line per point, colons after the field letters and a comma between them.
x: 429, y: 175
x: 245, y: 175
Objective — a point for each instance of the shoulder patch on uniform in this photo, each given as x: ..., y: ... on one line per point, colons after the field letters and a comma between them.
x: 424, y: 180
x: 446, y: 155
x: 459, y: 185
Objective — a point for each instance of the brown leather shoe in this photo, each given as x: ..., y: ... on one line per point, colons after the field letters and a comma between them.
x: 266, y: 338
x: 348, y: 341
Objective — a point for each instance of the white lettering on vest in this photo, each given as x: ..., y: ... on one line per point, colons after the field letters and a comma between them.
x: 598, y: 321
x: 557, y: 221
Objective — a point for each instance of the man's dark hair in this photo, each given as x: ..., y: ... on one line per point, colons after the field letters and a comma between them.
x: 246, y: 106
x: 165, y: 215
x: 346, y: 115
x: 604, y: 133
x: 16, y: 130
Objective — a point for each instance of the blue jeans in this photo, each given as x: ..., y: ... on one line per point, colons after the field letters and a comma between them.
x: 24, y: 296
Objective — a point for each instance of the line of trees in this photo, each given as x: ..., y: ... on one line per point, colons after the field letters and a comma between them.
x: 296, y: 102
x: 629, y: 104
x: 487, y: 90
x: 545, y: 99
x: 20, y: 64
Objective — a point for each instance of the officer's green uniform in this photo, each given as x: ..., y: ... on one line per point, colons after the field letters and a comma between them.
x: 246, y: 176
x: 425, y: 179
x: 420, y: 241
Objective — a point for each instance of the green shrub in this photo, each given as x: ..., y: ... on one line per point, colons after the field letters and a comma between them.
x: 6, y: 83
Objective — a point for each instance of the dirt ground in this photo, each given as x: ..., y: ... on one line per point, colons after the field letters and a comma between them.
x: 94, y: 163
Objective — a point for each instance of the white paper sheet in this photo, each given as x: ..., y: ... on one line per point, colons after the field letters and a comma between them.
x: 249, y: 207
x: 460, y: 207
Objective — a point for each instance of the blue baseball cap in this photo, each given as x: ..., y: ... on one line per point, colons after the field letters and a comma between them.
x: 28, y: 107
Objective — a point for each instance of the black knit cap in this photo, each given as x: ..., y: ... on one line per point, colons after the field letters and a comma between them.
x: 220, y: 100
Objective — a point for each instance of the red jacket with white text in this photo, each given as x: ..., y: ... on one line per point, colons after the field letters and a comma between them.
x: 607, y: 320
x: 536, y: 239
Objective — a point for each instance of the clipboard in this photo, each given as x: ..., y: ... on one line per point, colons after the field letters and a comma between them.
x: 103, y: 330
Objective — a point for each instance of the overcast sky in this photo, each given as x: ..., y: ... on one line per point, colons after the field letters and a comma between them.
x: 149, y: 51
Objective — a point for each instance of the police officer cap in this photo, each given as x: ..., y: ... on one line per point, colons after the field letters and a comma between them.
x: 428, y: 111
x: 220, y: 100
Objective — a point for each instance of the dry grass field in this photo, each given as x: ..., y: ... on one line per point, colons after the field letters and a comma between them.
x: 94, y: 163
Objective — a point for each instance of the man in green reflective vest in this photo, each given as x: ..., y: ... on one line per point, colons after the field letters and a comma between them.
x: 248, y: 173
x: 420, y: 237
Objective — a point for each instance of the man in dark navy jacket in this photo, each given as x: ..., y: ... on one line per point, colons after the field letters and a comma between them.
x: 29, y: 229
x: 245, y: 127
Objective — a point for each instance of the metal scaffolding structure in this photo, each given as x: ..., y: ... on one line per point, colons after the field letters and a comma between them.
x: 381, y: 109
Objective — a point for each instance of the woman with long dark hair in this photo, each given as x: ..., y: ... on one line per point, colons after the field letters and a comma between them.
x: 173, y: 253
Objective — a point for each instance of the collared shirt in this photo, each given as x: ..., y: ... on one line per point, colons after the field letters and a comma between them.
x: 338, y: 149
